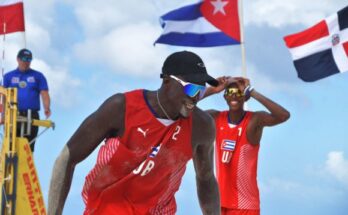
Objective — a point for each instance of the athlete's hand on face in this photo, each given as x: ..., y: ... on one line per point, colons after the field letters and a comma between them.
x: 223, y: 81
x: 242, y: 83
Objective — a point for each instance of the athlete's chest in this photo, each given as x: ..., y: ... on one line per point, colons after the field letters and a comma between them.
x: 151, y: 137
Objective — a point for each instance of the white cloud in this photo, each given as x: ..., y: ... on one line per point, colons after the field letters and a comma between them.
x: 337, y: 166
x: 300, y: 191
x: 126, y: 50
x: 38, y: 38
x: 279, y: 185
x: 62, y: 87
x: 280, y: 13
x: 98, y: 18
x: 39, y: 12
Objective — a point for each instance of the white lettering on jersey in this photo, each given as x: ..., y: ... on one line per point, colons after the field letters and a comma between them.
x: 144, y: 171
x: 239, y: 131
x: 226, y: 156
x: 176, y: 132
x: 150, y: 165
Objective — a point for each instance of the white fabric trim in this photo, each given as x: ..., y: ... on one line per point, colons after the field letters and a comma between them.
x: 199, y: 26
x: 165, y: 122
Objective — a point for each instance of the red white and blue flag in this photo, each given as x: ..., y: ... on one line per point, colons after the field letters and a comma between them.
x: 204, y: 24
x: 11, y: 16
x: 228, y: 145
x: 321, y: 50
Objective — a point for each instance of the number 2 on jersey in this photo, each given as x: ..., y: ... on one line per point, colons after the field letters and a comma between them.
x: 176, y: 132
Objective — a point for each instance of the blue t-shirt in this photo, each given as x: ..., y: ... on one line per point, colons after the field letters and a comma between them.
x: 29, y: 84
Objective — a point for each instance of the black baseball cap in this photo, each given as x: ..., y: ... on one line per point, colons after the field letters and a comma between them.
x: 188, y: 65
x: 25, y: 55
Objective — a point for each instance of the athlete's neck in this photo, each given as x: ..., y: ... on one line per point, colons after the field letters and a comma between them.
x: 158, y: 105
x: 235, y: 117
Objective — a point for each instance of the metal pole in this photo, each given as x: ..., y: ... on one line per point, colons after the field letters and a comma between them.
x: 242, y: 44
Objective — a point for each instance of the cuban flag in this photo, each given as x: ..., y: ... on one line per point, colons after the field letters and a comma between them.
x: 228, y: 145
x: 11, y: 16
x: 321, y: 50
x: 204, y: 24
x: 155, y: 151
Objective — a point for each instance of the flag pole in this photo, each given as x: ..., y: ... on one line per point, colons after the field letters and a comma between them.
x: 242, y: 44
x: 3, y: 53
x: 24, y: 34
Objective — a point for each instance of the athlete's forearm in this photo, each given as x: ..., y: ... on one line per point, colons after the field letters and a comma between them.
x: 208, y: 195
x: 276, y: 110
x: 60, y: 183
x: 46, y: 99
x: 223, y: 81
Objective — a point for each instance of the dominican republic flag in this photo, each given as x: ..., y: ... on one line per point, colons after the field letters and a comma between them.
x: 228, y: 145
x: 204, y: 24
x: 11, y: 16
x: 321, y: 50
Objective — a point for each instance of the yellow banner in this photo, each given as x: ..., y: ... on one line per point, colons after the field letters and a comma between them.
x: 29, y: 195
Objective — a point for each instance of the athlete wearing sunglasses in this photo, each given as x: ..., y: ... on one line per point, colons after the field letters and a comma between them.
x: 237, y: 144
x: 190, y: 89
x: 233, y: 91
x: 149, y: 137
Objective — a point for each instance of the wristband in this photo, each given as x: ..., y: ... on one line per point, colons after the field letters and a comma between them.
x: 248, y: 90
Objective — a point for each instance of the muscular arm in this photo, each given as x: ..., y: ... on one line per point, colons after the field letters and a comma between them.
x: 46, y: 101
x: 260, y: 119
x: 277, y: 114
x: 223, y: 81
x: 203, y: 136
x: 109, y: 118
x: 213, y: 113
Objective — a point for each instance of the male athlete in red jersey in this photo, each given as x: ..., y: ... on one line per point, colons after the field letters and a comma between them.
x: 238, y: 135
x: 150, y: 137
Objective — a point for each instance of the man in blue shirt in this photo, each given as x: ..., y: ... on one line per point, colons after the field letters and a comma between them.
x: 30, y: 84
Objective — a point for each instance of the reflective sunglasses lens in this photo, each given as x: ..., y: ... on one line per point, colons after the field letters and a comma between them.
x: 192, y: 90
x: 231, y: 91
x: 26, y: 59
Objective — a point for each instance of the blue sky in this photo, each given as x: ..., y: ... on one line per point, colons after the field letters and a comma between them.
x: 90, y: 50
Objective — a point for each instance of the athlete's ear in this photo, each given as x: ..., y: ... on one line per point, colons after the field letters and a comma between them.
x: 165, y: 78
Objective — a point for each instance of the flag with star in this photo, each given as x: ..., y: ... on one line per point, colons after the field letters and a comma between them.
x: 204, y: 24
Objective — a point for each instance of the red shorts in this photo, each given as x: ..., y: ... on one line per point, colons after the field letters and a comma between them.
x: 229, y: 211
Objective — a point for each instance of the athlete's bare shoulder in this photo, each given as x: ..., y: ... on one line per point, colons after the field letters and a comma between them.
x: 213, y: 113
x: 113, y: 111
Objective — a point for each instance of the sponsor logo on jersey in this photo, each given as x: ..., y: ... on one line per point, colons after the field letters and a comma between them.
x: 142, y: 131
x: 15, y: 80
x: 228, y: 145
x: 31, y: 79
x: 22, y: 84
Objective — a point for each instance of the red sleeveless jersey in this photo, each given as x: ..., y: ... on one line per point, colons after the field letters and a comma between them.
x: 236, y: 164
x: 139, y: 172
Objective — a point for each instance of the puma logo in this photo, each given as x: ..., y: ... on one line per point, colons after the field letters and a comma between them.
x: 142, y: 131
